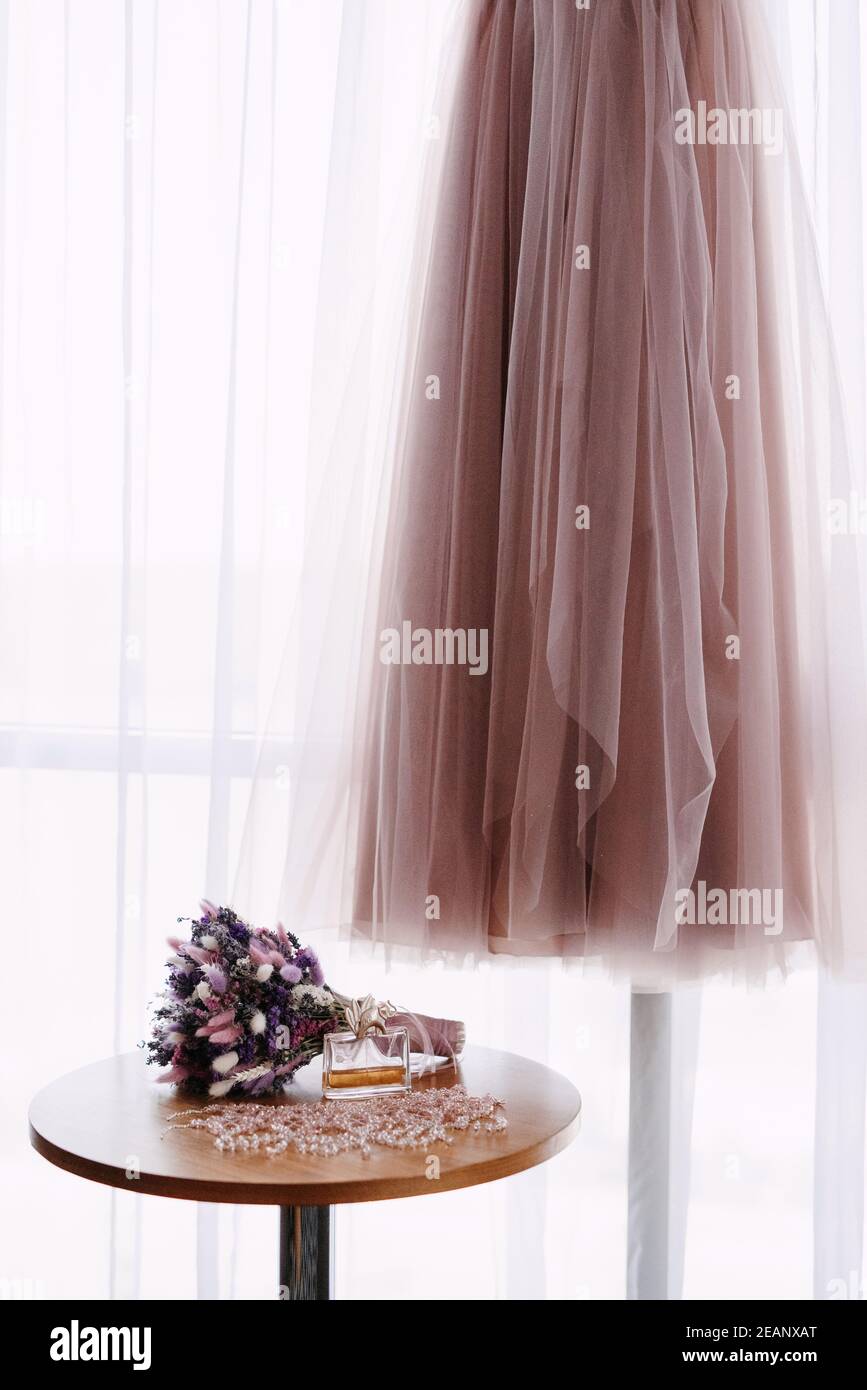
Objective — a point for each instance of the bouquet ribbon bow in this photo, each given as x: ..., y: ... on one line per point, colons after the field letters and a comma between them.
x: 441, y: 1037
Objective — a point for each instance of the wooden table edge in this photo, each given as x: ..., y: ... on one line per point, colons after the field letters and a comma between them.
x: 298, y: 1194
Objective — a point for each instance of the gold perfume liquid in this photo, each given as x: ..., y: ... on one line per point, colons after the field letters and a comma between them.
x: 367, y: 1076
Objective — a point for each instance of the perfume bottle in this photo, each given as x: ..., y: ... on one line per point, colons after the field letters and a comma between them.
x: 373, y: 1065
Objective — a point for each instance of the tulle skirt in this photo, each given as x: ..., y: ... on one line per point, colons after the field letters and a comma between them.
x: 598, y: 719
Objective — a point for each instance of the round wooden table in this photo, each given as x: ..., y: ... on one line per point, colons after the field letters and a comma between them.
x: 108, y: 1122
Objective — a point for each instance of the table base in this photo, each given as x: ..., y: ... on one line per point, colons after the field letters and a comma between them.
x: 307, y: 1254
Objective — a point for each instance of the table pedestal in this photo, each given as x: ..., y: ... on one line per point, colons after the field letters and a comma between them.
x: 306, y: 1253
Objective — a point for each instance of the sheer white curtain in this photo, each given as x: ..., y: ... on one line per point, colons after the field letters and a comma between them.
x: 206, y: 214
x: 163, y: 186
x: 822, y: 48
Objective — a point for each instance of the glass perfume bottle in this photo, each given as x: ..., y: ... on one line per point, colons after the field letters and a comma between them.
x: 374, y: 1065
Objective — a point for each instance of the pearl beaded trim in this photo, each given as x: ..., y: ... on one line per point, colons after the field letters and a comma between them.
x: 409, y: 1120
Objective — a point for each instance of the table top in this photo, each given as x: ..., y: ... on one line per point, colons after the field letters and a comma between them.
x: 98, y: 1121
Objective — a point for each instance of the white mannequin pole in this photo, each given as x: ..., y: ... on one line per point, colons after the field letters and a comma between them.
x: 663, y: 1047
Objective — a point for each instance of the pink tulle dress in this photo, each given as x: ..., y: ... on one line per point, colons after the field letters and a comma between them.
x: 598, y: 712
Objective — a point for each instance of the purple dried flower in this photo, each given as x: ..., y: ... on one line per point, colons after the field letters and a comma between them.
x: 182, y: 983
x: 308, y: 960
x: 223, y: 958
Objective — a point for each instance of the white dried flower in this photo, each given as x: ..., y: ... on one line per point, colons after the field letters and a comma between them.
x: 258, y: 1022
x: 322, y: 998
x: 203, y: 990
x: 251, y: 1073
x: 264, y: 973
x: 221, y: 1088
x: 225, y: 1063
x: 210, y: 943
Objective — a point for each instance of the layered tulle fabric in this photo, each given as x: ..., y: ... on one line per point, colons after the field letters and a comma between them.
x: 609, y: 703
